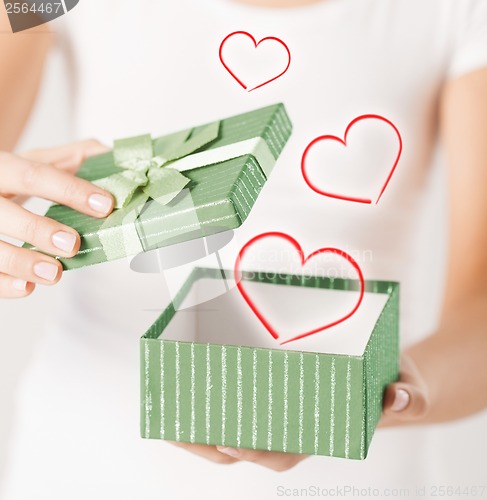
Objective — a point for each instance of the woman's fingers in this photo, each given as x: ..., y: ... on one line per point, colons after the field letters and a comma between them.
x: 276, y: 461
x: 224, y: 455
x: 40, y: 173
x: 24, y: 177
x: 68, y: 157
x: 29, y: 266
x: 14, y: 288
x: 41, y: 232
x: 208, y: 452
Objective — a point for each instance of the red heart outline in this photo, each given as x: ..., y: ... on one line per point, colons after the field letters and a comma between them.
x: 344, y: 143
x: 297, y: 246
x: 256, y: 44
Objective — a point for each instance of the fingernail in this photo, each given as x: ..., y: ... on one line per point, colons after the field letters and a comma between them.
x: 231, y: 452
x: 46, y: 271
x: 20, y: 285
x: 100, y: 203
x: 401, y: 400
x: 64, y: 241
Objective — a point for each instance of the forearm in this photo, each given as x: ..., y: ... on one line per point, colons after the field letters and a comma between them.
x: 453, y: 361
x: 22, y: 57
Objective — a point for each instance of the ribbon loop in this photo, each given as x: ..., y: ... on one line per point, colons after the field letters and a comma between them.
x: 164, y: 184
x: 132, y: 150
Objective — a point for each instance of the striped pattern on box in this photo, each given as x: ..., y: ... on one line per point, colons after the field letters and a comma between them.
x: 268, y: 399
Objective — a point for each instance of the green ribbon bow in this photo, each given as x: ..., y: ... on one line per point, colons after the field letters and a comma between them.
x: 145, y: 173
x: 145, y: 165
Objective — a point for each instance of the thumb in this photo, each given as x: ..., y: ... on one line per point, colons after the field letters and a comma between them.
x: 403, y: 402
x: 68, y: 157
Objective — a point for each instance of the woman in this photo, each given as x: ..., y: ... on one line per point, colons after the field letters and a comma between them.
x: 154, y: 67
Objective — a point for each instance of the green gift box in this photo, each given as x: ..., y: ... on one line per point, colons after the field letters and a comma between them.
x: 225, y: 165
x: 211, y: 374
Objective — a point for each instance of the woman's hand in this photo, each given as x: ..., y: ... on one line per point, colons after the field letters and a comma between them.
x: 276, y: 461
x: 45, y: 174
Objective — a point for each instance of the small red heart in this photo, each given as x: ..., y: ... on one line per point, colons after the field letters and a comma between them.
x: 304, y: 260
x: 344, y: 143
x: 256, y: 44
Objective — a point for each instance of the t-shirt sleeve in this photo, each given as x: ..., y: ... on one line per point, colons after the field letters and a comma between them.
x: 470, y: 48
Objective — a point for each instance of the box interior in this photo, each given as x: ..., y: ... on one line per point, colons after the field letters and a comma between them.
x: 209, y: 316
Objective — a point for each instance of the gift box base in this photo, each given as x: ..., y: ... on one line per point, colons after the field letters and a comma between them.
x: 264, y: 398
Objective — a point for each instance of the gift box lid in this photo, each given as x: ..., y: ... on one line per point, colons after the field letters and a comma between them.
x: 226, y: 164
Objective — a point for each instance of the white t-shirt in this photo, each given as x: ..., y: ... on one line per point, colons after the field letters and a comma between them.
x: 153, y: 66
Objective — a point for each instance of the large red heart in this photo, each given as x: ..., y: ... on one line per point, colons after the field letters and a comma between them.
x: 344, y: 143
x: 304, y: 260
x: 256, y: 44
